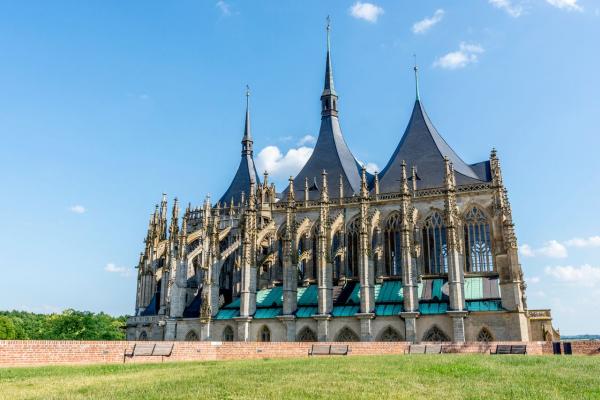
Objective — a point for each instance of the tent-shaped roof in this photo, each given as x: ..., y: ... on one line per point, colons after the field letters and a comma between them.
x: 246, y: 172
x: 423, y: 147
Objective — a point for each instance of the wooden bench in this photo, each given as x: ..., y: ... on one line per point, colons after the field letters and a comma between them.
x: 339, y: 350
x: 510, y: 349
x: 416, y: 349
x: 319, y: 350
x: 433, y: 349
x: 149, y: 349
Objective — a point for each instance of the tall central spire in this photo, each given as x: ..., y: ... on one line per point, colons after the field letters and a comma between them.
x: 247, y: 139
x: 329, y: 96
x: 416, y: 68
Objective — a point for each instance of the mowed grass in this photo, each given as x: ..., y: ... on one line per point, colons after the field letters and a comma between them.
x: 370, y: 377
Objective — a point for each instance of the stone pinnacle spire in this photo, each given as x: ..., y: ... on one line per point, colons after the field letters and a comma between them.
x: 416, y: 69
x: 329, y: 96
x: 247, y: 139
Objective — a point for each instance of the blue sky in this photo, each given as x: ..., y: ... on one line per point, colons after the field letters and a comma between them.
x: 107, y: 104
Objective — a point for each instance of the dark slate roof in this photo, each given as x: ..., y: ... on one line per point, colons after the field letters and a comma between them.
x: 331, y: 154
x: 422, y: 146
x: 246, y: 172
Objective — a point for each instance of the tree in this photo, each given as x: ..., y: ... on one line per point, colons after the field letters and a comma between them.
x: 7, y: 328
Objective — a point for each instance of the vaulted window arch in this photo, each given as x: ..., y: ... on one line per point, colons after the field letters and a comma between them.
x: 389, y: 334
x: 392, y: 246
x: 192, y: 336
x: 228, y: 334
x: 435, y: 334
x: 352, y: 241
x: 478, y: 242
x: 347, y: 335
x: 264, y: 335
x: 307, y: 335
x: 485, y: 336
x: 434, y: 245
x: 336, y: 245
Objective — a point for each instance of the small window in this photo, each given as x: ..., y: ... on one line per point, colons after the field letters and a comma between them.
x: 228, y: 334
x: 485, y: 336
x: 192, y: 337
x: 264, y: 335
x: 143, y: 336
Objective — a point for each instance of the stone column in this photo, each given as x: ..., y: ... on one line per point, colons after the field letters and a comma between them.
x: 410, y: 326
x: 289, y: 322
x: 322, y: 327
x: 365, y: 267
x: 290, y: 269
x: 324, y: 267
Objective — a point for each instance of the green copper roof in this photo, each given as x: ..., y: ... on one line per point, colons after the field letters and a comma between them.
x: 389, y: 292
x: 473, y: 288
x: 263, y: 313
x: 354, y: 298
x: 306, y: 312
x: 433, y: 308
x: 345, y: 311
x: 307, y: 295
x: 386, y: 310
x: 269, y: 297
x: 488, y: 305
x: 228, y: 313
x: 234, y: 304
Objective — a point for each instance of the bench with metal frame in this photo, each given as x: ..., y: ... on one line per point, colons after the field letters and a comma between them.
x: 510, y: 349
x: 328, y: 350
x: 149, y: 349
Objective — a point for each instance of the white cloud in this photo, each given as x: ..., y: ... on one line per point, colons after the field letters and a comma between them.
x: 112, y: 268
x: 514, y: 10
x: 592, y: 241
x: 569, y: 5
x: 427, y: 23
x: 585, y: 275
x: 370, y: 167
x: 224, y: 7
x: 308, y: 139
x: 77, y: 209
x: 551, y: 249
x: 465, y: 55
x: 534, y: 279
x: 281, y: 166
x: 367, y: 11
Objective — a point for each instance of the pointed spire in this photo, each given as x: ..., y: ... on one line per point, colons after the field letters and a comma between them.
x: 416, y: 69
x: 341, y: 188
x: 449, y: 180
x: 376, y: 184
x: 404, y: 180
x: 364, y: 190
x: 291, y: 195
x: 324, y: 189
x: 329, y: 96
x: 247, y: 139
x: 306, y: 191
x: 414, y: 178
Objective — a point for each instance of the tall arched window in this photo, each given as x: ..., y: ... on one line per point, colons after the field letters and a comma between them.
x: 228, y: 334
x: 301, y: 262
x: 392, y: 243
x: 313, y: 264
x: 352, y: 241
x: 264, y: 335
x: 434, y: 245
x: 337, y: 261
x: 478, y: 242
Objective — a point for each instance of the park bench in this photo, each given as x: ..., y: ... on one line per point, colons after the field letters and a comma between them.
x: 510, y: 349
x: 149, y: 349
x: 339, y: 350
x: 319, y: 350
x: 328, y: 350
x: 416, y: 349
x: 433, y: 349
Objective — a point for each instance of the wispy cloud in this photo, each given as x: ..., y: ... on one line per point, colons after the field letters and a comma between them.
x: 367, y: 11
x: 370, y: 166
x: 307, y: 139
x: 123, y: 271
x: 569, y: 5
x: 224, y: 7
x: 585, y: 275
x: 512, y: 9
x: 551, y: 249
x: 592, y: 241
x: 466, y: 54
x: 280, y: 166
x: 77, y: 209
x: 427, y: 23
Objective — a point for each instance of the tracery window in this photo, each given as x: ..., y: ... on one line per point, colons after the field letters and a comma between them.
x: 478, y: 243
x: 191, y: 336
x: 307, y: 335
x: 313, y: 264
x: 392, y: 246
x: 347, y: 335
x: 435, y: 334
x: 485, y: 336
x: 301, y: 262
x: 337, y: 261
x: 264, y: 335
x: 390, y: 335
x: 352, y: 241
x: 143, y: 336
x: 228, y: 334
x: 434, y: 245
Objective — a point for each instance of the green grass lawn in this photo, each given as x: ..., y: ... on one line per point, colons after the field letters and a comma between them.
x: 375, y: 377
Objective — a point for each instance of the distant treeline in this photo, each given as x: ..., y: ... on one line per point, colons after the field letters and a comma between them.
x: 581, y: 337
x: 68, y: 325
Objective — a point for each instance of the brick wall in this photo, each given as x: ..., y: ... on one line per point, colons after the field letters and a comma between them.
x: 45, y: 352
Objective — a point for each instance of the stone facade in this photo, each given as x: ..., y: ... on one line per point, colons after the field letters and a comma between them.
x: 424, y: 251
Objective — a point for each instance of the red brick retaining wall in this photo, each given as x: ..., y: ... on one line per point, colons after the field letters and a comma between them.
x: 46, y: 352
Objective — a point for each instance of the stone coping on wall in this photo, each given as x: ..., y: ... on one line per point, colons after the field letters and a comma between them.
x: 65, y: 352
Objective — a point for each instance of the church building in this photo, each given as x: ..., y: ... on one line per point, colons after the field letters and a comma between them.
x: 424, y: 250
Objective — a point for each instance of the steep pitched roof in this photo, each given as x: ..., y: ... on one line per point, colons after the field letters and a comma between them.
x: 423, y: 147
x: 246, y: 172
x: 331, y: 152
